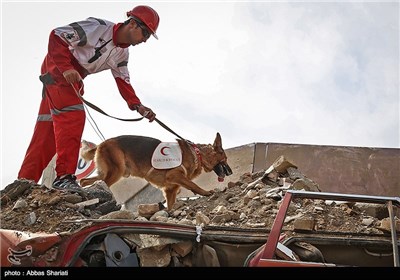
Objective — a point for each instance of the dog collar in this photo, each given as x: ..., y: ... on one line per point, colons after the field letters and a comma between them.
x: 197, y: 151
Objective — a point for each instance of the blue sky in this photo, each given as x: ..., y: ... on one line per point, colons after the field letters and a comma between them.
x: 324, y: 73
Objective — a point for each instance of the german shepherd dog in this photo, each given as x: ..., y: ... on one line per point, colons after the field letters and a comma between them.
x: 130, y: 155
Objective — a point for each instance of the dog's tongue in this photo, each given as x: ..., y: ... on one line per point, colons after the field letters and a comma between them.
x: 220, y: 179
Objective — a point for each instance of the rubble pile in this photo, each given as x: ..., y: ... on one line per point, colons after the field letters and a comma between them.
x: 251, y: 202
x: 27, y: 206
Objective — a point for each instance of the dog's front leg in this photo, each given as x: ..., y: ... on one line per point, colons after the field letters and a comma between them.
x: 186, y: 183
x: 170, y: 193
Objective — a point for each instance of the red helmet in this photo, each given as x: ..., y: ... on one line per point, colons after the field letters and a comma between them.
x: 146, y: 15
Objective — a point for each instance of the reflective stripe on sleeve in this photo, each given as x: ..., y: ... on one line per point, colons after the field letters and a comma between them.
x: 123, y: 63
x: 102, y: 22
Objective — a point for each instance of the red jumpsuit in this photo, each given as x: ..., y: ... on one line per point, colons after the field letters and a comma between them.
x: 61, y: 118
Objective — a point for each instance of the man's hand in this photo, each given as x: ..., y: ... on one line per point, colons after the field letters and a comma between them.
x: 146, y: 112
x: 72, y: 76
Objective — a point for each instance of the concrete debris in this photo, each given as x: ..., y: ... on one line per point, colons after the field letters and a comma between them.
x: 251, y: 202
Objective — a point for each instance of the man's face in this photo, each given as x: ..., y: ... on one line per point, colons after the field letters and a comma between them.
x: 139, y: 33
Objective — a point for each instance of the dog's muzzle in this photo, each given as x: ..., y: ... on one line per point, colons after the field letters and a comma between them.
x: 222, y: 170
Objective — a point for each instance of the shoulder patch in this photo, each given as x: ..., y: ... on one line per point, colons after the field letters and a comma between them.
x: 70, y: 36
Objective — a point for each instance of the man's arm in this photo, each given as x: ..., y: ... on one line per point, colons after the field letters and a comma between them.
x: 58, y: 50
x: 128, y: 93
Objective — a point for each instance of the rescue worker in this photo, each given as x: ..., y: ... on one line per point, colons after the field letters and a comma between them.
x: 75, y: 51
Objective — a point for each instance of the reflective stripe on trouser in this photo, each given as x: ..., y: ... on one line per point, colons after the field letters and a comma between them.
x: 42, y: 147
x: 60, y: 124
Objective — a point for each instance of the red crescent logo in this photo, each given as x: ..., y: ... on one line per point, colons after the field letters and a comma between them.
x: 162, y: 151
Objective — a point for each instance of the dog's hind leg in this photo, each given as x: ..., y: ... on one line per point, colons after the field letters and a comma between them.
x: 112, y: 177
x: 170, y: 193
x: 112, y: 166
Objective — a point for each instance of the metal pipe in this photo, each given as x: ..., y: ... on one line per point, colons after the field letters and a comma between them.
x: 394, y: 235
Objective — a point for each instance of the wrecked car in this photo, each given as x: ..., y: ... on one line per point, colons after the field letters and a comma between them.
x: 289, y: 242
x: 306, y: 246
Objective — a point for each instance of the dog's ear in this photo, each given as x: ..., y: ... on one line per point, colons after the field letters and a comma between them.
x: 218, y: 143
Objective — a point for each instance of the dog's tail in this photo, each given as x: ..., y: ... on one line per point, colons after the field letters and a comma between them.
x: 88, y: 150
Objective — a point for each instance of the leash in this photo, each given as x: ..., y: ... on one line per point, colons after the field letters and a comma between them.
x: 94, y: 107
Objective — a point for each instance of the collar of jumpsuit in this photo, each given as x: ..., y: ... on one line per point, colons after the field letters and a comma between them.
x: 115, y: 28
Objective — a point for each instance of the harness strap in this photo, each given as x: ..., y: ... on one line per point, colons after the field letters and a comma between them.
x: 195, y: 152
x: 148, y: 172
x: 184, y: 169
x: 152, y: 169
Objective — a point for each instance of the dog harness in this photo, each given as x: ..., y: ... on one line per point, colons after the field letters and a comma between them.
x: 167, y: 155
x: 197, y: 159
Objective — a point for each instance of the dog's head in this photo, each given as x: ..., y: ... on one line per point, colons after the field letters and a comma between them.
x: 215, y: 159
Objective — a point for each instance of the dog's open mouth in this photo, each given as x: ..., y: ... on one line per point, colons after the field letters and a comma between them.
x: 222, y: 170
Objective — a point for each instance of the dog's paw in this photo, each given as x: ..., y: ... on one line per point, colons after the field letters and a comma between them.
x: 210, y: 192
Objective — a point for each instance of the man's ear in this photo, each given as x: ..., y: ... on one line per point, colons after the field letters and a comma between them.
x: 132, y: 23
